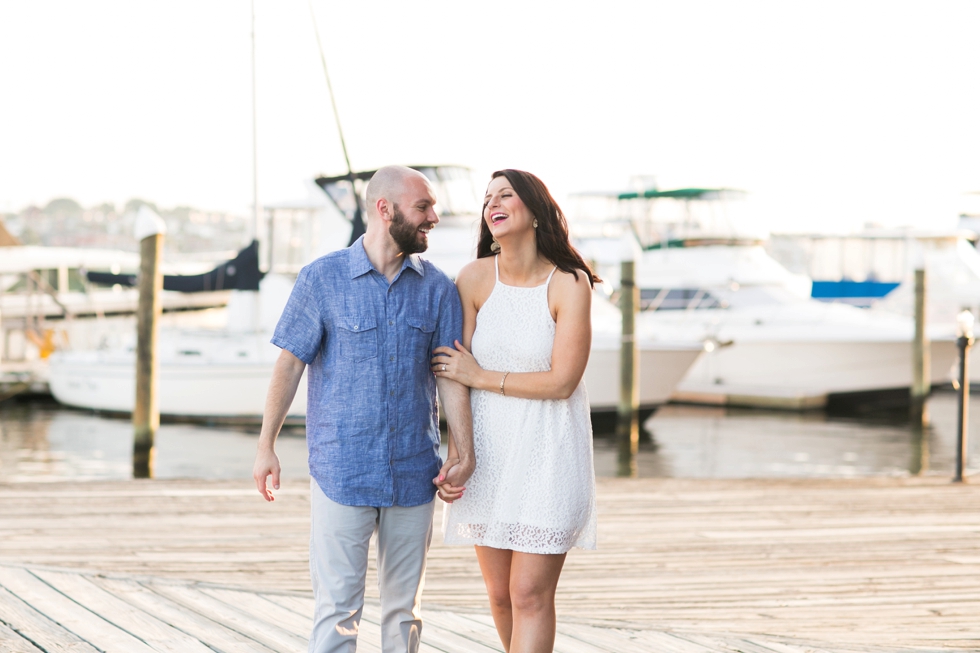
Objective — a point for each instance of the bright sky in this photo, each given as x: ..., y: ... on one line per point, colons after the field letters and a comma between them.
x: 830, y: 113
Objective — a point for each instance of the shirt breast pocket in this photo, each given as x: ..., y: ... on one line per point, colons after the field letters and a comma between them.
x: 358, y: 338
x: 420, y: 332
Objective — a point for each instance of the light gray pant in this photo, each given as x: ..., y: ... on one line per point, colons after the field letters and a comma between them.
x: 339, y: 539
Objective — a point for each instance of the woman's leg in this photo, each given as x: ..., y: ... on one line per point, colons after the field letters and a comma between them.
x: 533, y: 581
x: 495, y: 565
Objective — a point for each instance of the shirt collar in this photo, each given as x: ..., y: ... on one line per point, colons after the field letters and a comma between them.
x: 359, y: 262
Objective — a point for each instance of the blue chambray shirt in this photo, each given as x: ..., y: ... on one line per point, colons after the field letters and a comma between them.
x: 371, y: 418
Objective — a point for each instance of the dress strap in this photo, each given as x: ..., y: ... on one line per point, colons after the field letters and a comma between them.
x: 548, y: 282
x: 496, y: 266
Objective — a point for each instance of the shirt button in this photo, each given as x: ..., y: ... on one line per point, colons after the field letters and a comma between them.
x: 392, y: 429
x: 391, y: 394
x: 355, y: 327
x: 390, y: 322
x: 391, y: 358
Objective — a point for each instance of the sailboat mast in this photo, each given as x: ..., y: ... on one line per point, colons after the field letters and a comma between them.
x: 256, y: 209
x: 357, y: 224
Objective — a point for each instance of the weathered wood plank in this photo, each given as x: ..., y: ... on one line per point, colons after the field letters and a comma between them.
x: 264, y: 608
x: 12, y: 642
x: 59, y: 608
x: 270, y: 635
x: 157, y: 634
x: 217, y: 636
x: 30, y: 623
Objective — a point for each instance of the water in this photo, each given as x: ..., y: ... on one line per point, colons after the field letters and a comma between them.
x: 41, y: 441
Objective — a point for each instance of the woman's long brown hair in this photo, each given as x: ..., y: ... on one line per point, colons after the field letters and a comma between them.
x: 552, y: 230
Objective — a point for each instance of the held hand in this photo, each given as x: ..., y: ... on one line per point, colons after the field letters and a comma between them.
x: 266, y: 465
x: 450, y: 480
x: 456, y: 364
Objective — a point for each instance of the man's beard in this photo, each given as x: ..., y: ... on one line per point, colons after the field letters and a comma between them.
x: 407, y: 237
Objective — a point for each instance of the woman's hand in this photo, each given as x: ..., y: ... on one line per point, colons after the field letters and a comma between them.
x: 457, y: 365
x: 445, y: 488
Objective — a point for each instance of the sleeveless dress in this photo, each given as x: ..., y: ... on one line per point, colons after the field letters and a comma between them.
x: 534, y: 485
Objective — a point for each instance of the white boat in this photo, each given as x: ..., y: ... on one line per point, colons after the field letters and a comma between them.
x: 770, y: 343
x: 878, y: 272
x: 47, y: 302
x: 51, y: 283
x: 223, y: 375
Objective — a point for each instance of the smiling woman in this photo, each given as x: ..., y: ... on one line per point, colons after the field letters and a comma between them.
x: 532, y: 496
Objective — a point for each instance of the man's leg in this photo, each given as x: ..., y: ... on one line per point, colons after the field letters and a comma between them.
x: 404, y: 535
x: 339, y: 538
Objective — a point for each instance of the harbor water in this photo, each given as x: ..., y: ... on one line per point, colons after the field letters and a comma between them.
x: 43, y: 441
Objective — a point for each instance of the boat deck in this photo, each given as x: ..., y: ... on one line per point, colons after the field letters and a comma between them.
x: 682, y: 566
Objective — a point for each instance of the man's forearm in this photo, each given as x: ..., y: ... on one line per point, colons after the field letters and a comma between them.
x: 456, y: 399
x: 286, y: 376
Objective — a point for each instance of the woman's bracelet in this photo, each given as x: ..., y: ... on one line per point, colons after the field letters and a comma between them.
x: 502, y: 379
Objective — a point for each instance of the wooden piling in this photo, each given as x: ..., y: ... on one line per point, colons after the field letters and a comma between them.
x: 920, y: 389
x: 963, y: 343
x: 146, y: 412
x: 628, y: 410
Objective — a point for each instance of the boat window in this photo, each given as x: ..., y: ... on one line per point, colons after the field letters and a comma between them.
x: 76, y: 280
x: 455, y: 189
x: 677, y: 299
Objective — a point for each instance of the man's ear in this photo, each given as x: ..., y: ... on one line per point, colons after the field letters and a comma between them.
x: 384, y: 209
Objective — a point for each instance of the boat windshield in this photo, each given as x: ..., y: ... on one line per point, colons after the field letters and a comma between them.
x: 678, y: 299
x: 454, y: 188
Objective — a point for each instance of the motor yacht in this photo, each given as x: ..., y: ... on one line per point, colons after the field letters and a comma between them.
x: 770, y: 344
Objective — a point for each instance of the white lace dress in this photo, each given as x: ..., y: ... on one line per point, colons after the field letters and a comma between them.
x: 534, y: 485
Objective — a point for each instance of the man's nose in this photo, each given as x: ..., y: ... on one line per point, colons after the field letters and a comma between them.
x: 433, y: 215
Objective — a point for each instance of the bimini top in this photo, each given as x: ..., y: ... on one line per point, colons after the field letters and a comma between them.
x: 675, y: 193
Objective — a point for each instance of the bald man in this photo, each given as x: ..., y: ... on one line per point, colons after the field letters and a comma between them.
x: 365, y: 320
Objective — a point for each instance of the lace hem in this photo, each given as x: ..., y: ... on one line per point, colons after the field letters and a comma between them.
x: 519, y: 537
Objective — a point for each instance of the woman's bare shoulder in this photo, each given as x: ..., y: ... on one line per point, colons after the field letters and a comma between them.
x: 476, y: 277
x: 576, y: 285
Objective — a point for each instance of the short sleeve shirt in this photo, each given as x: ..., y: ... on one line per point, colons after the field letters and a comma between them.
x: 372, y: 419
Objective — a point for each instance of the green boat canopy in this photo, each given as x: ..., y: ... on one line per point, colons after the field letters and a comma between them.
x: 678, y: 193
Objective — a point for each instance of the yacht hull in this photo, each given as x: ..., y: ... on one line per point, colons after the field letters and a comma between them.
x: 814, y: 374
x: 236, y: 391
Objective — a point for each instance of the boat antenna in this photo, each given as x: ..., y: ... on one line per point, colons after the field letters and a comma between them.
x: 256, y: 209
x: 357, y: 223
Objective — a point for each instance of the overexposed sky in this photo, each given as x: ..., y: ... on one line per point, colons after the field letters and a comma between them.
x: 831, y: 114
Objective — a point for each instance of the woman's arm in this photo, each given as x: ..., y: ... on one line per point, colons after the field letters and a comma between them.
x: 572, y: 302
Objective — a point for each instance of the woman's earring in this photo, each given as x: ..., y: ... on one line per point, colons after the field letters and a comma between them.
x: 535, y: 223
x: 495, y: 246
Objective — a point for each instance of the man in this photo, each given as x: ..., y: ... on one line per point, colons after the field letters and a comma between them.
x: 365, y: 320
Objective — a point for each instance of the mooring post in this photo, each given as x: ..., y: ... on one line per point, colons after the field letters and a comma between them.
x: 964, y: 328
x: 150, y: 230
x: 921, y: 381
x: 628, y: 411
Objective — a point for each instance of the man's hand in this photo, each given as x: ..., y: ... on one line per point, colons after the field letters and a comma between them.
x: 266, y: 465
x: 286, y: 375
x: 452, y: 479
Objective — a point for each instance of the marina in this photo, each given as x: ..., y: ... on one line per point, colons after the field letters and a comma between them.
x: 777, y: 361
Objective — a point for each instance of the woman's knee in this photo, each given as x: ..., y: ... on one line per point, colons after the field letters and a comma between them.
x: 499, y: 594
x: 531, y: 598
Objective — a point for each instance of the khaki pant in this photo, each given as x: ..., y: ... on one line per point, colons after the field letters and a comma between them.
x: 339, y: 538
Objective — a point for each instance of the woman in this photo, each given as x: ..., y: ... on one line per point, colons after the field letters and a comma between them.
x: 527, y: 320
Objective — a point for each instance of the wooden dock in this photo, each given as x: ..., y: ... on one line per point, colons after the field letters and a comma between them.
x: 684, y: 566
